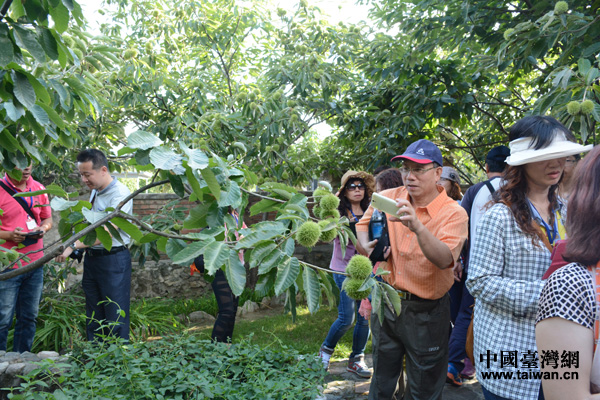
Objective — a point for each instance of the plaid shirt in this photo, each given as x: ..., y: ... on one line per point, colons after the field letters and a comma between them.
x: 505, y: 277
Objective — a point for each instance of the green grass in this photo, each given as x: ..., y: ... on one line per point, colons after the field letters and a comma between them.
x: 305, y: 335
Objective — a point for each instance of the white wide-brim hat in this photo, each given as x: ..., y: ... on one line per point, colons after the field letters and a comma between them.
x: 522, y: 151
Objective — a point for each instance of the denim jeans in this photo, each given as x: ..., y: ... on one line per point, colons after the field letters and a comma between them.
x: 347, y: 312
x: 462, y: 302
x: 20, y: 295
x: 107, y: 287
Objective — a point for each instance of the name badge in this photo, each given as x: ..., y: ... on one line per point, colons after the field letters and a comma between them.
x: 31, y: 224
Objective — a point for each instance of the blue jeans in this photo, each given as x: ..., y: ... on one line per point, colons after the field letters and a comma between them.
x: 462, y: 303
x: 107, y: 277
x: 20, y: 295
x: 347, y: 311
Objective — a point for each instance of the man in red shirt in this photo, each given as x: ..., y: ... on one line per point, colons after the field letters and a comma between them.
x: 22, y: 294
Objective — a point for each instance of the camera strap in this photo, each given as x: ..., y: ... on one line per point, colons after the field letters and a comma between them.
x: 19, y: 200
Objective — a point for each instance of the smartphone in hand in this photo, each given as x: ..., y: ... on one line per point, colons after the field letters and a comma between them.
x: 384, y: 204
x: 33, y: 233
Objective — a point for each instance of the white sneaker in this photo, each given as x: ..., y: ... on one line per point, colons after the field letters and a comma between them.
x: 325, y: 355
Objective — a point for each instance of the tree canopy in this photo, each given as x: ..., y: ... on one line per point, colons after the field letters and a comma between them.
x: 220, y: 97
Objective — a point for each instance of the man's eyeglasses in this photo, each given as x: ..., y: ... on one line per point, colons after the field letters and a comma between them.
x: 571, y: 161
x: 355, y: 186
x: 415, y: 171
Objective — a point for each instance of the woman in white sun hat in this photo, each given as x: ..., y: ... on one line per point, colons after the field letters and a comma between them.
x: 512, y: 251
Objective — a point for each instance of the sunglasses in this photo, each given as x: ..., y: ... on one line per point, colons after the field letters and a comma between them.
x: 355, y: 186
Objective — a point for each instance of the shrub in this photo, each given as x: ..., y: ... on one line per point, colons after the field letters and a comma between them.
x: 180, y: 367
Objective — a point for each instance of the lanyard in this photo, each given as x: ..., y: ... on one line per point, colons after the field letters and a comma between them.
x: 28, y: 200
x: 355, y: 218
x: 551, y: 232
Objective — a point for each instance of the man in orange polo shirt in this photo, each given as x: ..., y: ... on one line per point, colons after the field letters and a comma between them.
x: 426, y: 236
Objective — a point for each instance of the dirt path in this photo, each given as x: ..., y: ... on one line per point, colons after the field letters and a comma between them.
x: 343, y: 385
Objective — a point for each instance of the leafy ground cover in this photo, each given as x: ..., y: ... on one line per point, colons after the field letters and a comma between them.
x: 271, y: 358
x: 178, y: 367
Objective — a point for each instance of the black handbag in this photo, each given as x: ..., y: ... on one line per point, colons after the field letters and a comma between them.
x: 383, y: 240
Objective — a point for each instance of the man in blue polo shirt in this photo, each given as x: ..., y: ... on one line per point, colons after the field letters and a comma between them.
x: 106, y: 274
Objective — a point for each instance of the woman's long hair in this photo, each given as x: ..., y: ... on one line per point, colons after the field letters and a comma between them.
x: 513, y: 194
x: 543, y: 130
x: 345, y: 204
x: 583, y: 218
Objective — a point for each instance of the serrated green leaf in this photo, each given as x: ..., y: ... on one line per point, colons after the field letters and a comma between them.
x: 92, y: 216
x: 143, y: 140
x: 235, y: 273
x: 196, y: 158
x: 260, y: 252
x: 40, y: 115
x: 215, y: 255
x: 60, y: 16
x: 116, y: 236
x: 584, y: 65
x: 393, y: 297
x: 132, y: 230
x: 290, y: 246
x: 283, y: 193
x: 58, y: 120
x: 263, y: 206
x: 52, y: 189
x: 327, y: 288
x: 232, y: 197
x: 194, y: 184
x: 23, y: 90
x: 89, y: 239
x: 47, y: 41
x: 287, y: 272
x: 69, y: 4
x: 212, y: 182
x: 9, y: 142
x: 177, y: 185
x: 270, y: 186
x: 27, y: 39
x: 32, y: 150
x: 312, y: 289
x: 13, y: 113
x: 76, y: 84
x: 174, y: 246
x: 377, y: 302
x: 270, y: 261
x: 259, y: 232
x: 7, y: 52
x: 197, y: 217
x: 165, y: 158
x: 59, y: 204
x: 149, y: 237
x: 187, y: 254
x: 104, y: 237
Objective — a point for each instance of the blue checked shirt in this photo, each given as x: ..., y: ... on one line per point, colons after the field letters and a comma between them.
x: 505, y: 277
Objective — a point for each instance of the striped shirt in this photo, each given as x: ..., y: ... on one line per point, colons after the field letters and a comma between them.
x: 410, y: 269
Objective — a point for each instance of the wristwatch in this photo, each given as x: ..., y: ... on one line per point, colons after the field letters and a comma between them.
x: 72, y: 246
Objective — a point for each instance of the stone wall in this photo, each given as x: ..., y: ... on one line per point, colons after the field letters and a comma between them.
x: 14, y: 364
